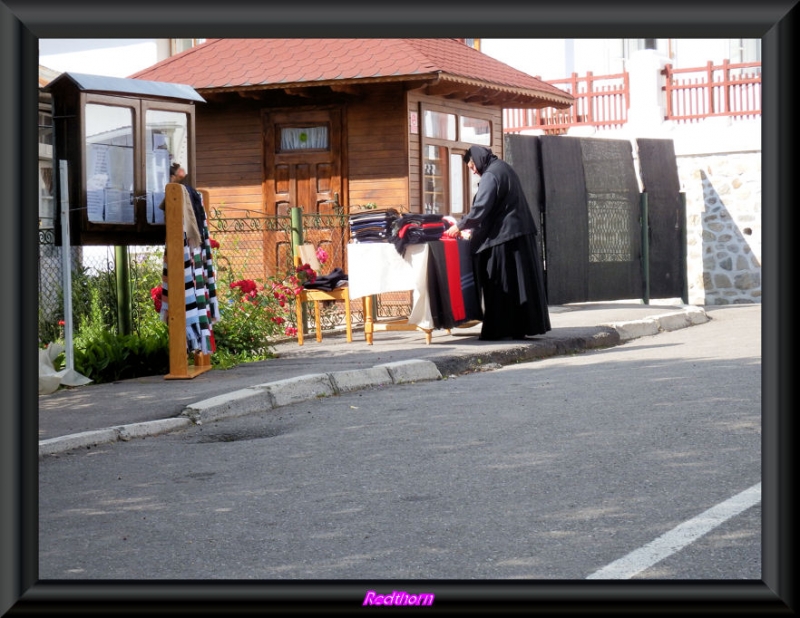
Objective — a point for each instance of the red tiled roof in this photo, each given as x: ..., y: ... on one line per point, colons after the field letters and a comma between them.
x: 231, y: 64
x: 46, y: 75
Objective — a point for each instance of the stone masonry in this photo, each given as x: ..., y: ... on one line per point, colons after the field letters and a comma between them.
x: 723, y: 227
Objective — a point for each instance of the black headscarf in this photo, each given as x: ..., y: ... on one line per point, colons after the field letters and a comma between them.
x: 481, y: 156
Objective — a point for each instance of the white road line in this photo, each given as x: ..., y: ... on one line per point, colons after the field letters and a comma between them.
x: 679, y: 537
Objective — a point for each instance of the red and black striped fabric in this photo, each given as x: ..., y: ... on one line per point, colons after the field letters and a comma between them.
x: 454, y: 294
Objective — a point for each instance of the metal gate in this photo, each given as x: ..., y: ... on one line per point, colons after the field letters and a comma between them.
x: 585, y: 194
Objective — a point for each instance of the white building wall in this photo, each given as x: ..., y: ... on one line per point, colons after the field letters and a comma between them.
x: 110, y: 57
x: 544, y: 58
x: 552, y: 59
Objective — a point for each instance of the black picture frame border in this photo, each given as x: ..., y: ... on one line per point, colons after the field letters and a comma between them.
x: 23, y: 22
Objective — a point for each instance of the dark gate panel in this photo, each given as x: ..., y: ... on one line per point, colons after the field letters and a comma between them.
x: 613, y: 211
x: 566, y: 222
x: 667, y: 217
x: 591, y: 228
x: 523, y: 153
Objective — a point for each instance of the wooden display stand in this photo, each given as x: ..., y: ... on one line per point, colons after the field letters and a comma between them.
x: 179, y: 368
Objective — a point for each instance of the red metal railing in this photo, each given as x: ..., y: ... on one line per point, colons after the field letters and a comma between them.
x: 599, y: 102
x: 691, y: 94
x: 721, y: 90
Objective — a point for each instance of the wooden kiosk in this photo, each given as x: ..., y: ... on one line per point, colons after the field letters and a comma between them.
x: 116, y: 139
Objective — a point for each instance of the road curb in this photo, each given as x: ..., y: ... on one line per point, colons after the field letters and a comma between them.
x: 658, y: 323
x: 90, y: 439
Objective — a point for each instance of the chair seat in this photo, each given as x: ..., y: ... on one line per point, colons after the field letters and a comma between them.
x: 341, y: 293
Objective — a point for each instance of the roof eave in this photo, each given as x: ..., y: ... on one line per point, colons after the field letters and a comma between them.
x: 523, y: 97
x: 536, y: 98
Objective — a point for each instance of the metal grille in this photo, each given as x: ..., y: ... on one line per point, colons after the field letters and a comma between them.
x: 610, y: 230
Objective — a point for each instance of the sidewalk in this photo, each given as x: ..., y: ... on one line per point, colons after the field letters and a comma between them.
x: 101, y: 413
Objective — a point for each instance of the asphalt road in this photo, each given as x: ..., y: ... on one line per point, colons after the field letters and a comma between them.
x: 547, y: 470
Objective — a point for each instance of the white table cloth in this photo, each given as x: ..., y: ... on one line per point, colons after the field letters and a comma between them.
x: 377, y: 267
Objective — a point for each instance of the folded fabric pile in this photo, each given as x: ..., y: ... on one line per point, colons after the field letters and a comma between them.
x: 372, y: 225
x: 413, y: 228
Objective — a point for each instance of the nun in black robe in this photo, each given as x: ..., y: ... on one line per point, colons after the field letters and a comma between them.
x: 507, y: 266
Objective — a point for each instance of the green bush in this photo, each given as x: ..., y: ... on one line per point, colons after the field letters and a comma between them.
x: 252, y: 317
x: 108, y: 357
x: 100, y: 352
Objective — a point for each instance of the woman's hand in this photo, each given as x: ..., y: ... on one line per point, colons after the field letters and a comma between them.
x: 452, y: 231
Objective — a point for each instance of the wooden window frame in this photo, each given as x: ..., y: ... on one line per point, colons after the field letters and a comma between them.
x: 457, y: 147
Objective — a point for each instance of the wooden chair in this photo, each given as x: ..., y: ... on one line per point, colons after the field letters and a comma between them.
x: 306, y: 254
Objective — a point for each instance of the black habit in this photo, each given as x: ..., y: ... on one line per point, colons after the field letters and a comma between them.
x: 508, y: 269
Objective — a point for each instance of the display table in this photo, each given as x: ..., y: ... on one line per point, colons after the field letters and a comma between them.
x: 439, y: 284
x: 375, y: 268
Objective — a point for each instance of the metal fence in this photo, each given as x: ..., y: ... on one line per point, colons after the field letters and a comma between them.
x: 692, y: 94
x: 728, y: 89
x: 251, y: 246
x: 600, y: 101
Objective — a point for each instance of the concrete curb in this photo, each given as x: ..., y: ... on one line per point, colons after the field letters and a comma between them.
x: 271, y: 395
x: 89, y: 439
x: 251, y: 400
x: 658, y: 323
x: 583, y: 339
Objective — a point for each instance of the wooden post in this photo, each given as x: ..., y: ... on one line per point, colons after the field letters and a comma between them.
x: 179, y: 368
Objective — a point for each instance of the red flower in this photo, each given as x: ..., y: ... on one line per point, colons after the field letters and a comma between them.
x: 306, y: 274
x: 155, y: 294
x: 246, y: 286
x: 61, y: 322
x: 214, y: 243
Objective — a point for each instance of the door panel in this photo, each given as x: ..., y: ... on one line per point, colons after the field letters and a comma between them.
x: 303, y: 172
x: 592, y: 230
x: 667, y: 218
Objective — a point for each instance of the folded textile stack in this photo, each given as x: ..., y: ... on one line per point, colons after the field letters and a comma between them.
x: 412, y: 228
x: 372, y: 225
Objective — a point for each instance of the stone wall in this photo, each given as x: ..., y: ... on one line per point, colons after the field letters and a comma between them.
x: 719, y: 165
x: 723, y: 227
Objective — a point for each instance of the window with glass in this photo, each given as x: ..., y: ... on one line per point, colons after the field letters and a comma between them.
x: 304, y: 138
x: 109, y: 164
x: 447, y: 187
x: 434, y: 164
x: 476, y: 131
x: 179, y: 45
x: 166, y: 142
x: 47, y: 211
x: 439, y: 125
